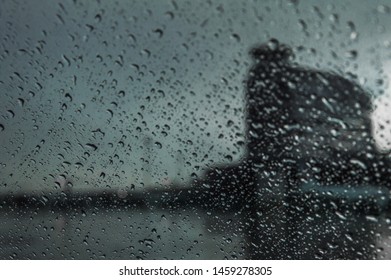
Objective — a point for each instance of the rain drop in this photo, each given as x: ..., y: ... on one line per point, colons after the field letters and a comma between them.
x: 91, y: 146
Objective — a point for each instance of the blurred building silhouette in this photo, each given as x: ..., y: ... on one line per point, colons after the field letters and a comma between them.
x: 311, y: 175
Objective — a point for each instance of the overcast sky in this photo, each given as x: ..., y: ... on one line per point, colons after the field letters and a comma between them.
x: 93, y: 89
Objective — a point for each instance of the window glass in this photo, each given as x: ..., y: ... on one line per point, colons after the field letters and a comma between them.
x: 195, y: 129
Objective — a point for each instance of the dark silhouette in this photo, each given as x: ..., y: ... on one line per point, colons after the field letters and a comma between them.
x: 311, y: 175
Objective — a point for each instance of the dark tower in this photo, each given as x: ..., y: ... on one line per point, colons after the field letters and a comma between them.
x: 310, y: 151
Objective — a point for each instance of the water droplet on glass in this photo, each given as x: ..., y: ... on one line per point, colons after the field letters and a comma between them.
x: 372, y: 218
x: 158, y: 32
x: 68, y: 97
x: 352, y: 54
x: 383, y: 9
x: 98, y: 18
x: 169, y: 15
x: 91, y: 146
x: 340, y: 215
x: 236, y: 37
x: 10, y: 113
x: 21, y: 101
x: 358, y: 163
x: 158, y: 144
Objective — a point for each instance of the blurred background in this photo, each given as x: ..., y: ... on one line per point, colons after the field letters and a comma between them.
x: 115, y: 117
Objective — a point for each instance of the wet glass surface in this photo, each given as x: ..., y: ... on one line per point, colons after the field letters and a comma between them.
x: 195, y: 130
